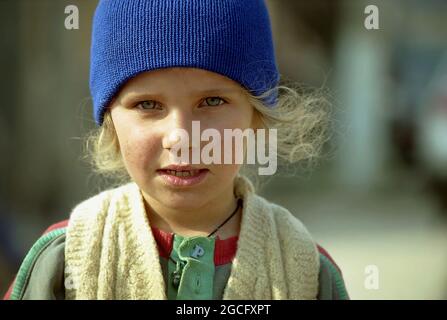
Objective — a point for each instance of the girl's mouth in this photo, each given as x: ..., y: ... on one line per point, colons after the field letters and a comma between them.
x: 183, y: 178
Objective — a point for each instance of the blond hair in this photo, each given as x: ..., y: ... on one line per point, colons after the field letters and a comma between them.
x: 301, y: 120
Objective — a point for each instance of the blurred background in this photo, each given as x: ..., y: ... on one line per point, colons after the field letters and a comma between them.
x: 378, y: 196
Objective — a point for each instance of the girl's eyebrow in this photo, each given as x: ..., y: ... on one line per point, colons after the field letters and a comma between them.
x: 217, y: 91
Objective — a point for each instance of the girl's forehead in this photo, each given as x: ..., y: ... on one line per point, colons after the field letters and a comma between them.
x: 184, y: 77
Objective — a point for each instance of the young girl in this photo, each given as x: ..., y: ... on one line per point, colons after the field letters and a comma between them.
x: 183, y: 230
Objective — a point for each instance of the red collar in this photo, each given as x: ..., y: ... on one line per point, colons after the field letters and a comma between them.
x: 224, y: 250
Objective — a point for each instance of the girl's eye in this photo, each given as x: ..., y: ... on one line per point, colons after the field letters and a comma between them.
x: 214, y: 101
x: 147, y: 105
x: 152, y: 105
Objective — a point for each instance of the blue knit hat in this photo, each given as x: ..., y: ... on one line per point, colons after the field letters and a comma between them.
x: 229, y: 37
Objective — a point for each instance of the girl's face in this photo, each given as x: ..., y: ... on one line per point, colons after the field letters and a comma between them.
x: 152, y: 105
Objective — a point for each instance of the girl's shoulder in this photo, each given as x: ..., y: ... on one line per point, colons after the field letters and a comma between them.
x: 331, y: 282
x: 41, y: 275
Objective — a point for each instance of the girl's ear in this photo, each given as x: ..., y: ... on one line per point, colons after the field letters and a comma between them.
x: 256, y: 122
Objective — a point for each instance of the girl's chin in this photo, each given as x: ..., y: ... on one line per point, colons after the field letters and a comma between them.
x: 184, y: 198
x: 183, y: 203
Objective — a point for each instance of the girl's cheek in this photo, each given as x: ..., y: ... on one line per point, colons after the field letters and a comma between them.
x: 141, y: 151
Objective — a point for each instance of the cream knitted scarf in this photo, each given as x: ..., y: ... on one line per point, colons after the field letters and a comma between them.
x: 110, y: 252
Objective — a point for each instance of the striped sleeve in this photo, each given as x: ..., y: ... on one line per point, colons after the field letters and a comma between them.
x: 331, y: 283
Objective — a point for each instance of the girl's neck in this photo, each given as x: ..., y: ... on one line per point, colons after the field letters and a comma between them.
x: 200, y: 221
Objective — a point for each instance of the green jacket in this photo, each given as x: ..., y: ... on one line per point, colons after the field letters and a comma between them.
x: 41, y: 275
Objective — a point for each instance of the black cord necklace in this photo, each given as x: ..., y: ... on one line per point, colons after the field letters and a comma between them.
x: 177, y: 274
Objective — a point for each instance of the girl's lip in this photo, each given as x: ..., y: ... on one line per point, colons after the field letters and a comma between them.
x: 180, y: 167
x: 183, y: 181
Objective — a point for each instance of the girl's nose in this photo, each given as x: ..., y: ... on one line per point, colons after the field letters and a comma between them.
x: 177, y: 126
